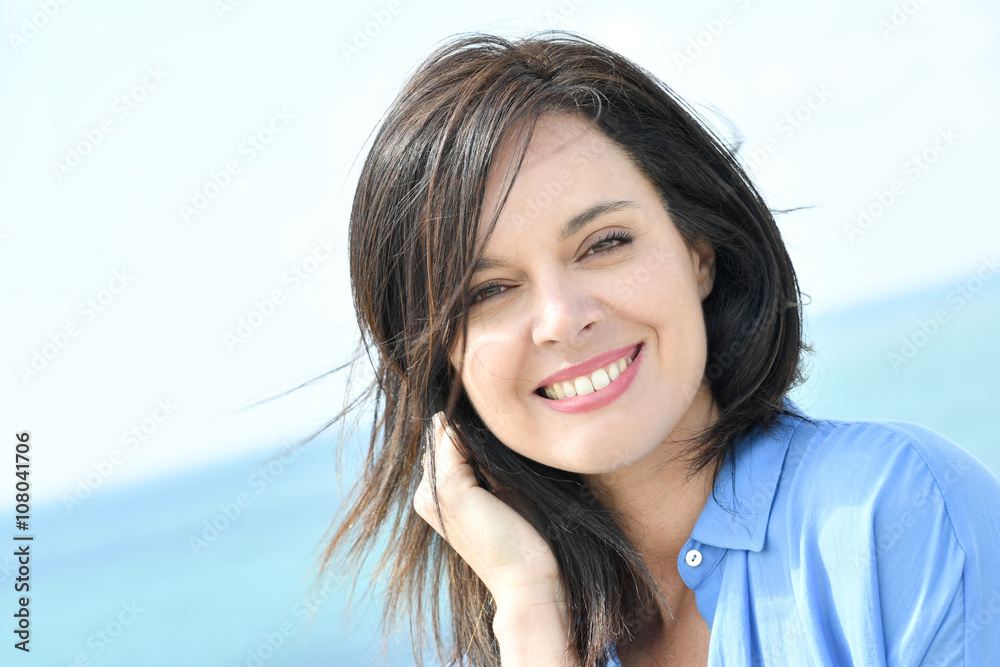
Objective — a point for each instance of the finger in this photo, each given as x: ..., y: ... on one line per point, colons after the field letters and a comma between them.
x: 423, y: 501
x: 452, y: 478
x: 441, y: 463
x: 452, y: 471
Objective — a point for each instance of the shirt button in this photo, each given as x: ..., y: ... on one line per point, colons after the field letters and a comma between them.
x: 693, y: 558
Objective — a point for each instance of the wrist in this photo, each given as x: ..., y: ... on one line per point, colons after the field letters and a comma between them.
x: 532, y: 627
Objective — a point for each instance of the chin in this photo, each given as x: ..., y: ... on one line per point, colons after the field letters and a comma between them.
x: 596, y: 458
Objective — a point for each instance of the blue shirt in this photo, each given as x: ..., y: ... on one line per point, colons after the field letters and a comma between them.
x: 848, y: 543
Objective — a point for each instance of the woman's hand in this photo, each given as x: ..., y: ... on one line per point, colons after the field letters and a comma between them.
x: 505, y: 551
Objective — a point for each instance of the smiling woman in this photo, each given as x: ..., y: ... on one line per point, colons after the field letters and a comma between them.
x: 584, y: 325
x: 545, y: 298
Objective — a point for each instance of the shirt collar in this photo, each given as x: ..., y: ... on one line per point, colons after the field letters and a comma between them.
x: 735, y: 515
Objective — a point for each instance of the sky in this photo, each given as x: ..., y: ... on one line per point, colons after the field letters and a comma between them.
x: 175, y: 180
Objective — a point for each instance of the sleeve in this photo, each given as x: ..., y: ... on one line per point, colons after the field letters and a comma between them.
x: 919, y: 571
x: 936, y: 535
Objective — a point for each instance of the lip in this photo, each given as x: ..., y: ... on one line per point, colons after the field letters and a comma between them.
x: 598, y: 399
x: 589, y: 366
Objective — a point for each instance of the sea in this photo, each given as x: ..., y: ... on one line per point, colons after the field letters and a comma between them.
x: 216, y: 566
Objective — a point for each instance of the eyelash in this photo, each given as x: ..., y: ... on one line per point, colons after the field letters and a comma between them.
x: 622, y: 238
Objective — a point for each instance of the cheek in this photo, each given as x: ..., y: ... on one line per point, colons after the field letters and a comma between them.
x: 491, y: 372
x: 691, y: 348
x: 658, y: 292
x: 672, y: 307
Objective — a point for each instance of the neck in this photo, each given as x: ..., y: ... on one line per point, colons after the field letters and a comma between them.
x: 657, y: 498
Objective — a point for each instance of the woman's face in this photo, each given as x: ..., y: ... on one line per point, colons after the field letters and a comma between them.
x: 586, y: 342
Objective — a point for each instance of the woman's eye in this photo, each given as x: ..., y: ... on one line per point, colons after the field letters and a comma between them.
x: 603, y: 245
x: 610, y: 242
x: 487, y: 291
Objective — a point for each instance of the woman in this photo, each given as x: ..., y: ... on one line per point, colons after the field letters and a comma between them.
x: 584, y: 323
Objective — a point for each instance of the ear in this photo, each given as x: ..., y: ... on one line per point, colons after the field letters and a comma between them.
x: 703, y: 257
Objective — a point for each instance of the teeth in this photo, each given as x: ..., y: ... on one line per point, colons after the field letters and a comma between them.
x: 601, y: 379
x: 588, y: 384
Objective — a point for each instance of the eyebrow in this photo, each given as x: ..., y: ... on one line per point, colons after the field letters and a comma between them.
x: 572, y: 226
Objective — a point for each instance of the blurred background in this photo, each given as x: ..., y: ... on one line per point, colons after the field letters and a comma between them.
x: 174, y: 188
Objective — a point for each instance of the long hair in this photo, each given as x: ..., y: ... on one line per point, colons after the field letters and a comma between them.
x: 413, y: 227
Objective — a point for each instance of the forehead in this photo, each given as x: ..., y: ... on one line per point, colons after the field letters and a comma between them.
x: 556, y: 141
x: 567, y: 158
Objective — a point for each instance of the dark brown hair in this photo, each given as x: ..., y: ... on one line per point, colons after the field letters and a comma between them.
x: 413, y: 227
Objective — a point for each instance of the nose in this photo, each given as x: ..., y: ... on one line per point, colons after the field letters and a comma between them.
x: 565, y: 313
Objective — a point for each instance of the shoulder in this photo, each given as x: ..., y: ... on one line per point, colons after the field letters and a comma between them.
x: 904, y: 517
x: 893, y: 467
